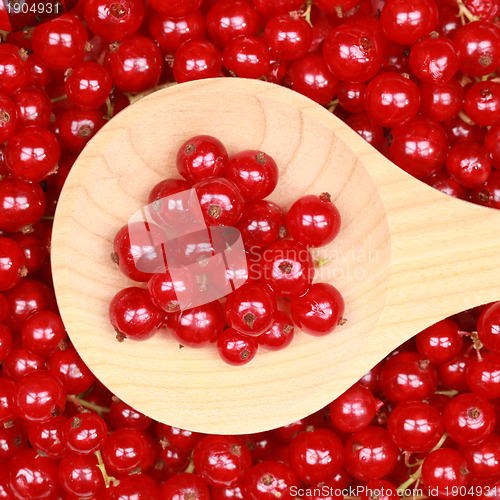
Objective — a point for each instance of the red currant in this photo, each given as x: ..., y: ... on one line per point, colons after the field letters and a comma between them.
x: 78, y: 126
x: 72, y: 372
x: 316, y: 455
x: 391, y: 99
x: 171, y: 33
x: 255, y: 174
x: 354, y: 409
x: 136, y: 250
x: 353, y: 52
x: 440, y: 342
x: 114, y: 20
x: 5, y: 342
x: 441, y: 101
x: 309, y: 75
x: 127, y: 449
x: 26, y: 298
x: 32, y: 153
x: 489, y: 193
x: 227, y: 19
x: 246, y: 57
x: 168, y: 211
x: 201, y: 158
x: 313, y: 220
x: 14, y: 70
x: 287, y: 36
x: 444, y: 471
x: 133, y: 314
x: 479, y: 46
x: 60, y: 43
x: 261, y: 224
x: 7, y: 400
x: 406, y: 377
x: 39, y: 396
x: 43, y: 332
x: 135, y: 64
x: 222, y: 460
x: 32, y: 476
x: 269, y: 480
x: 370, y: 454
x: 434, y: 60
x: 79, y: 475
x: 469, y: 164
x: 221, y: 201
x: 404, y: 23
x: 272, y: 8
x: 482, y: 103
x: 483, y: 460
x: 8, y: 118
x: 279, y: 335
x: 88, y: 85
x: 180, y: 439
x: 363, y: 125
x: 319, y: 310
x: 419, y: 147
x: 415, y: 426
x: 488, y: 327
x: 469, y: 419
x: 287, y: 267
x: 20, y: 361
x: 175, y: 8
x: 47, y: 437
x: 185, y: 485
x: 199, y: 326
x: 195, y: 60
x: 85, y: 433
x: 123, y: 415
x: 236, y: 348
x: 351, y: 96
x: 12, y: 264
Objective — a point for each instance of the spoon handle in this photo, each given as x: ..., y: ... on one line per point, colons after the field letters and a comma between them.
x: 445, y: 252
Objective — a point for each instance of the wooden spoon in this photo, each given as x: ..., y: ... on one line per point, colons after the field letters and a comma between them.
x: 407, y: 255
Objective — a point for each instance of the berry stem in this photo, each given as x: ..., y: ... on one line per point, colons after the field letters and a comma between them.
x: 464, y: 12
x: 465, y: 118
x: 135, y: 97
x: 417, y: 475
x: 60, y: 98
x: 100, y: 463
x: 320, y: 262
x: 81, y: 403
x: 307, y: 13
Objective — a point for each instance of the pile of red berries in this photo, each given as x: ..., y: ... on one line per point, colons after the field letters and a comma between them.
x: 179, y: 252
x: 422, y: 422
x: 418, y: 80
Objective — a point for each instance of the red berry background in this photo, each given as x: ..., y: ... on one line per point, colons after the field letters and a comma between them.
x: 417, y: 79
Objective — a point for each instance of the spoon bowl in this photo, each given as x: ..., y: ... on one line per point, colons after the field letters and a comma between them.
x: 406, y: 256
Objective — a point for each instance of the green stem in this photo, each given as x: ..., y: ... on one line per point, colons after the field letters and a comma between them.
x: 307, y: 13
x: 417, y: 475
x: 60, y: 98
x: 100, y: 463
x: 320, y: 262
x: 465, y: 118
x: 135, y: 97
x: 463, y: 11
x: 81, y: 403
x: 110, y: 108
x: 451, y: 393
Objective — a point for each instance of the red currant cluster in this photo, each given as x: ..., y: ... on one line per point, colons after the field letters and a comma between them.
x: 416, y: 79
x: 423, y: 422
x: 188, y: 267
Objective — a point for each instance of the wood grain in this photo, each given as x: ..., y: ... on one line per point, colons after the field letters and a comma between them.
x: 406, y: 256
